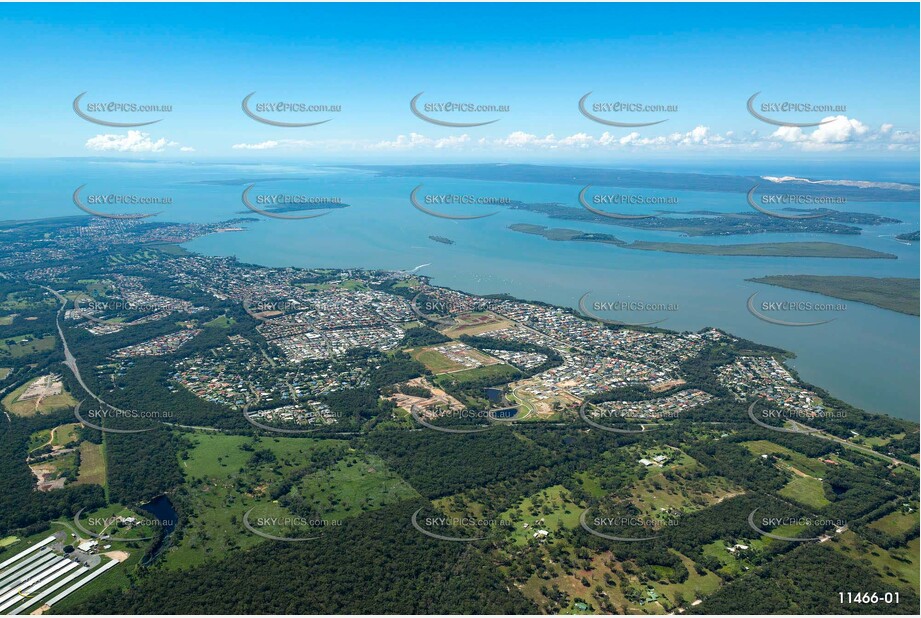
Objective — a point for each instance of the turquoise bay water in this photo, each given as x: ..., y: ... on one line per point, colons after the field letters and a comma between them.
x: 866, y: 356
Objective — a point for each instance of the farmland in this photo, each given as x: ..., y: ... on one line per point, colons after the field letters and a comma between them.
x: 92, y: 464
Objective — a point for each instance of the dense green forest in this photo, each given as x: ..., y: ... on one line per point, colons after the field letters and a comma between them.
x: 23, y: 507
x: 807, y: 581
x: 388, y: 568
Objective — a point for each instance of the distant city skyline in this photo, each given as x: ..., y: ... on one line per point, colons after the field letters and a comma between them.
x: 697, y: 66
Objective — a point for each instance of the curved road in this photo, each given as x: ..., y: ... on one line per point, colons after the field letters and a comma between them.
x: 69, y: 358
x: 800, y: 428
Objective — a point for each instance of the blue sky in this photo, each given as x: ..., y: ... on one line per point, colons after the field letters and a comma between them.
x: 537, y: 59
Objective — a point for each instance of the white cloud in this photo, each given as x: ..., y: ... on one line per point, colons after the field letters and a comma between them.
x: 267, y: 145
x: 283, y: 144
x: 698, y: 135
x: 133, y: 141
x: 520, y: 139
x: 840, y: 129
x: 840, y: 133
x: 905, y: 137
x: 417, y: 140
x: 400, y: 142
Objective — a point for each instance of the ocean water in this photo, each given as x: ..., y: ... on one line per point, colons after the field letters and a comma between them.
x: 866, y: 356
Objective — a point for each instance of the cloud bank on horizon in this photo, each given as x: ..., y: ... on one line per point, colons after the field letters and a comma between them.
x: 837, y: 133
x: 133, y: 141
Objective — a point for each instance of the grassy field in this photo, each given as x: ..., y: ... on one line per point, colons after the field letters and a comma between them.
x: 694, y: 587
x: 6, y: 320
x: 62, y: 435
x: 435, y: 361
x: 8, y: 541
x: 92, y: 465
x: 169, y: 248
x: 812, y: 467
x: 96, y: 288
x: 4, y: 371
x: 221, y: 456
x: 15, y: 301
x: 356, y: 484
x: 551, y: 510
x: 224, y: 486
x: 574, y: 588
x: 604, y: 576
x: 732, y: 564
x: 65, y: 434
x: 898, y: 522
x: 226, y: 480
x: 438, y: 362
x: 39, y: 439
x: 28, y: 408
x: 409, y: 282
x: 24, y: 345
x: 656, y: 492
x: 500, y: 370
x: 805, y: 490
x: 899, y: 566
x: 591, y: 484
x: 879, y: 440
x: 222, y: 321
x: 142, y: 256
